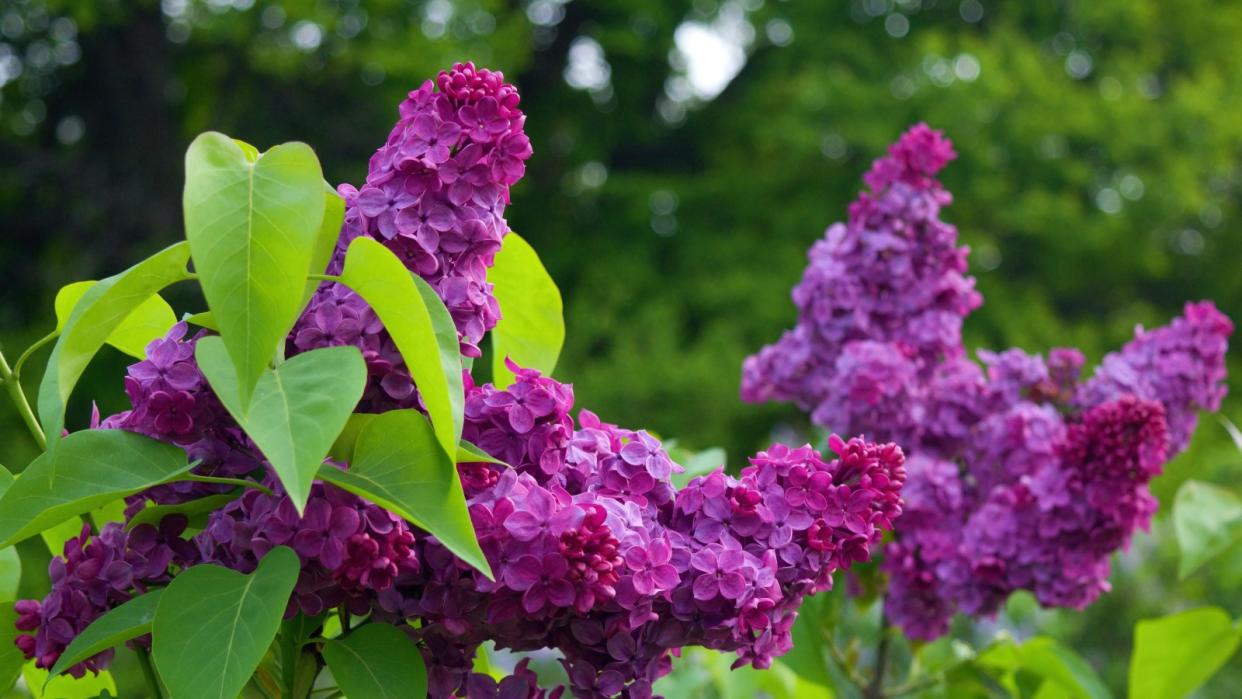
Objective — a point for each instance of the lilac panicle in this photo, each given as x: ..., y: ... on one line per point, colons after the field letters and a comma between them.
x: 1022, y: 475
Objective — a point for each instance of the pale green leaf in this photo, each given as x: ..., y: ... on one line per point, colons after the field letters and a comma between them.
x: 101, y: 310
x: 531, y: 330
x: 412, y: 477
x: 252, y: 224
x: 421, y: 327
x: 151, y: 319
x: 297, y: 410
x: 42, y: 686
x: 1175, y: 654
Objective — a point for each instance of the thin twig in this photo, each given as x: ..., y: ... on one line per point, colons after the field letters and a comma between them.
x: 875, y: 690
x: 14, y: 387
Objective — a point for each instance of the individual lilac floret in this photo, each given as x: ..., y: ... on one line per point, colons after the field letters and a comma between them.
x: 877, y: 350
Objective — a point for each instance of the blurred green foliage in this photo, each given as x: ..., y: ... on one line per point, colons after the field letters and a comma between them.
x: 1097, y: 182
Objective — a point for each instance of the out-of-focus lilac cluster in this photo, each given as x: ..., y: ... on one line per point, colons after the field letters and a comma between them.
x: 1022, y: 476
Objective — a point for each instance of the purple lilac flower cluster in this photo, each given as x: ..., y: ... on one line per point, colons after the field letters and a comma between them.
x: 435, y: 195
x: 93, y: 575
x: 1022, y: 475
x: 595, y: 552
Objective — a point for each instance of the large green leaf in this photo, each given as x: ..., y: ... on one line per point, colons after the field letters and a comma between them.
x: 88, y: 469
x: 116, y: 626
x: 252, y: 222
x: 102, y: 309
x: 213, y: 625
x: 1207, y: 520
x: 343, y: 447
x: 420, y: 325
x: 1175, y: 654
x: 398, y: 465
x: 377, y: 661
x: 297, y: 409
x: 531, y: 330
x: 151, y: 319
x: 11, y: 658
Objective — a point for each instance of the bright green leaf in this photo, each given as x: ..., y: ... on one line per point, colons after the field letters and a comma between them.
x: 252, y: 226
x: 412, y: 477
x: 468, y: 453
x: 421, y: 327
x: 151, y: 319
x: 213, y: 625
x: 343, y: 447
x: 88, y: 469
x: 65, y: 687
x: 1207, y: 520
x: 1046, y: 659
x: 103, y: 308
x: 11, y: 658
x: 531, y: 330
x: 202, y: 320
x: 377, y: 661
x: 1175, y: 654
x: 297, y: 410
x: 191, y: 509
x: 325, y: 241
x: 116, y: 626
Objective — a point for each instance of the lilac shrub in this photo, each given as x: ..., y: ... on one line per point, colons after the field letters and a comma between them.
x: 1023, y: 475
x: 594, y: 551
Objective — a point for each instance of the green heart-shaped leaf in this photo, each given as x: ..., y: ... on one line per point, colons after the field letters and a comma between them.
x: 88, y: 469
x: 297, y: 409
x: 213, y: 625
x: 531, y: 330
x: 421, y: 327
x: 116, y: 626
x: 95, y: 317
x: 399, y: 466
x: 377, y: 662
x: 253, y: 223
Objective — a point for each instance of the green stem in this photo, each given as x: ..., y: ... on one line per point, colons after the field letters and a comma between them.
x: 324, y: 278
x: 14, y: 387
x: 148, y: 672
x: 228, y: 481
x: 50, y: 337
x: 875, y: 690
x: 343, y: 614
x: 290, y: 649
